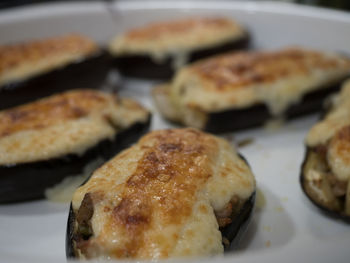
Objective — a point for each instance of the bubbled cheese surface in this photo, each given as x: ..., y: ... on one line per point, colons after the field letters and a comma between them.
x: 67, y: 123
x: 179, y: 36
x: 277, y: 79
x: 21, y: 61
x: 157, y: 199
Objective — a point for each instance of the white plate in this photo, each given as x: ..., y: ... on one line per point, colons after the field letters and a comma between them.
x: 285, y: 227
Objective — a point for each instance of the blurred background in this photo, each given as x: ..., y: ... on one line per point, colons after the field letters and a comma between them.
x: 335, y: 4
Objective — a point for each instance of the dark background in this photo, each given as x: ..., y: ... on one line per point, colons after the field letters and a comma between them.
x: 336, y: 4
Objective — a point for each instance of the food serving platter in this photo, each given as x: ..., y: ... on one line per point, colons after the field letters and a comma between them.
x: 286, y: 227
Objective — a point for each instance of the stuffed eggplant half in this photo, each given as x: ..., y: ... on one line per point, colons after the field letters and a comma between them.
x: 325, y: 175
x: 40, y: 68
x: 156, y: 50
x: 245, y: 89
x: 43, y: 142
x: 176, y: 193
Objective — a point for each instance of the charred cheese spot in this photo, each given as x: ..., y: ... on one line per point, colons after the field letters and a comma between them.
x: 20, y: 61
x: 167, y: 38
x: 154, y: 218
x: 67, y: 123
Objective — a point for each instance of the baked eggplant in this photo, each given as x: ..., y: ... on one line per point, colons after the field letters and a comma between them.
x: 245, y: 89
x: 41, y: 68
x: 176, y: 193
x: 325, y: 176
x: 43, y: 142
x: 156, y: 50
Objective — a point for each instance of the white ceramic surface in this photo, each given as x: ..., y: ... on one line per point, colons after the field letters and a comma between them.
x: 285, y: 227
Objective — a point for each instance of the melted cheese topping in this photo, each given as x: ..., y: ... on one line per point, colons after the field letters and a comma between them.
x: 338, y: 154
x: 334, y: 131
x: 337, y: 117
x: 68, y: 123
x: 160, y: 40
x: 63, y: 191
x: 240, y: 80
x: 21, y: 61
x: 163, y: 102
x: 157, y: 199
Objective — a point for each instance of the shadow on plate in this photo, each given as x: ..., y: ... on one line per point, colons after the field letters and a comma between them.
x: 317, y: 219
x: 271, y: 225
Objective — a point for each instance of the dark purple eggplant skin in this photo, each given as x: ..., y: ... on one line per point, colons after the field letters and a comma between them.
x: 233, y: 232
x: 89, y: 73
x: 236, y: 230
x: 257, y: 115
x: 142, y: 66
x: 70, y: 236
x: 324, y: 210
x: 28, y: 181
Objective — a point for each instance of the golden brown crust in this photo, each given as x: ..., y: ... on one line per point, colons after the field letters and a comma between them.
x: 150, y: 199
x: 168, y: 166
x: 330, y: 138
x: 53, y: 110
x: 241, y: 80
x: 13, y: 55
x: 239, y: 70
x: 339, y: 153
x: 336, y: 118
x: 156, y: 30
x: 342, y: 140
x: 65, y: 123
x: 177, y: 38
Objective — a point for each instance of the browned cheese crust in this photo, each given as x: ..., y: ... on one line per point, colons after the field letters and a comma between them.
x: 69, y: 122
x: 19, y: 61
x: 178, y: 27
x: 326, y: 172
x: 168, y: 183
x: 44, y: 113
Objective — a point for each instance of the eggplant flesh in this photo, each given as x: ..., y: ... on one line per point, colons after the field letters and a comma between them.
x: 89, y: 73
x: 28, y: 181
x: 143, y: 66
x: 332, y: 206
x: 257, y: 115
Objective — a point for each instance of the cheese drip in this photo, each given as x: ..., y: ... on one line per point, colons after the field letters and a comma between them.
x: 240, y: 80
x: 334, y: 131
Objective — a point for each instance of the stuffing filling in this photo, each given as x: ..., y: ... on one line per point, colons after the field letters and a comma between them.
x: 84, y: 230
x: 322, y: 183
